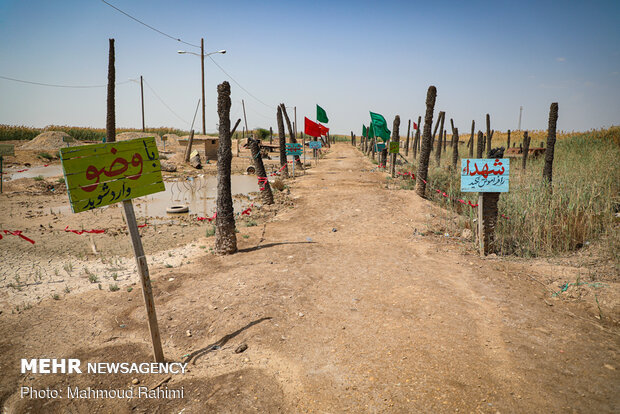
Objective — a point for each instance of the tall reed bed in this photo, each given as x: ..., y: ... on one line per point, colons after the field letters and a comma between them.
x: 22, y: 133
x: 581, y: 208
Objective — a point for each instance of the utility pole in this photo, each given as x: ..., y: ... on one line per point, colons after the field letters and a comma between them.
x: 295, y: 123
x: 142, y: 96
x: 520, y: 112
x: 244, y: 118
x: 202, y: 67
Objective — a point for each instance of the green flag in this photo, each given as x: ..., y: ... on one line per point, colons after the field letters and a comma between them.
x: 363, y: 130
x: 371, y: 131
x: 321, y: 115
x: 380, y: 126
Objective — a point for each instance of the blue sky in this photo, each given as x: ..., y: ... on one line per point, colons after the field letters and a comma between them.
x: 349, y: 57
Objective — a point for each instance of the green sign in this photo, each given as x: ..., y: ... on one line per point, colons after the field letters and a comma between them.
x: 6, y: 149
x: 394, y: 148
x: 101, y: 174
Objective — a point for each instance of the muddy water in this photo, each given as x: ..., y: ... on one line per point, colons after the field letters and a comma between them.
x: 198, y: 193
x: 31, y: 172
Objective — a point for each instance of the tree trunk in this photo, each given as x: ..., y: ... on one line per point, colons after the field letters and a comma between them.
x: 549, y: 152
x: 425, y: 151
x: 439, y: 119
x: 110, y: 124
x: 480, y: 147
x: 292, y: 138
x: 416, y: 140
x: 439, y: 142
x: 225, y: 237
x: 508, y: 143
x: 407, y: 141
x: 396, y: 139
x: 235, y: 127
x: 265, y: 193
x: 455, y: 147
x: 270, y: 135
x: 282, y: 136
x: 526, y: 148
x: 471, y: 139
x: 489, y: 135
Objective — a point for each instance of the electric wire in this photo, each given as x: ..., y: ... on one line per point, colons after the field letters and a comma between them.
x: 239, y: 85
x: 60, y: 86
x: 164, y: 103
x: 149, y: 26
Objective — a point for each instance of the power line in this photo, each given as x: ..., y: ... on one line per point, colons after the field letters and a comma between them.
x: 150, y: 27
x: 239, y: 85
x: 164, y: 103
x: 190, y: 44
x: 59, y: 86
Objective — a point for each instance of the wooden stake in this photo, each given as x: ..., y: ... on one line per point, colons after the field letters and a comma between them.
x: 143, y: 271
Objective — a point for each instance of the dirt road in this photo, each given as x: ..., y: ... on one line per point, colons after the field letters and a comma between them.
x: 344, y: 307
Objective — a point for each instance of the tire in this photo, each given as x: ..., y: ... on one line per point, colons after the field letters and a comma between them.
x: 177, y: 209
x: 250, y: 170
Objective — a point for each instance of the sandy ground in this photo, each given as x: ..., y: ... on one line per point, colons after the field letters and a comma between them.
x: 343, y: 306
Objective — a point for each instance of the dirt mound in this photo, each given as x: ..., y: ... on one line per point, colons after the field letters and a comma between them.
x: 50, y: 140
x: 124, y: 136
x: 171, y: 140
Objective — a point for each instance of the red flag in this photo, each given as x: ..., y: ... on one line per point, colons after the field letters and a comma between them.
x: 324, y: 129
x: 312, y: 128
x: 415, y: 126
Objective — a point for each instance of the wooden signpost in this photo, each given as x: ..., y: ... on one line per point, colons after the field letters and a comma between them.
x: 294, y: 148
x: 5, y: 149
x: 102, y: 174
x: 488, y: 177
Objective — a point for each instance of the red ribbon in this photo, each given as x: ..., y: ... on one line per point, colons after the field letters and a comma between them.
x: 18, y: 233
x: 247, y: 210
x: 22, y: 170
x: 96, y: 231
x: 209, y: 219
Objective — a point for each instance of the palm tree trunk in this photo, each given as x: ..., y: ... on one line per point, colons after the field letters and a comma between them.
x: 396, y: 139
x: 489, y: 135
x: 425, y: 151
x: 480, y: 146
x: 407, y: 141
x: 292, y: 138
x: 225, y: 237
x: 439, y: 142
x: 455, y: 147
x: 471, y: 139
x: 526, y: 148
x: 265, y: 192
x: 551, y: 136
x: 110, y: 124
x: 416, y: 141
x: 282, y: 136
